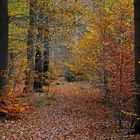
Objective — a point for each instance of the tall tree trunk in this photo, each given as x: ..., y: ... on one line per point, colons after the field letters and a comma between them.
x: 137, y: 62
x: 42, y: 52
x: 46, y: 59
x: 31, y: 44
x: 46, y: 49
x: 3, y: 43
x: 39, y: 61
x: 39, y: 57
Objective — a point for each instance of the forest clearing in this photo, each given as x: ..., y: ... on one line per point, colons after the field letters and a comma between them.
x: 69, y: 69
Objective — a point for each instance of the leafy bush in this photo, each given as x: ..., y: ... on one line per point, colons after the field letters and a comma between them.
x: 70, y: 76
x: 11, y: 104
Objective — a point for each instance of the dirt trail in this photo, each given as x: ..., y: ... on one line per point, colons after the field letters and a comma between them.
x: 70, y: 117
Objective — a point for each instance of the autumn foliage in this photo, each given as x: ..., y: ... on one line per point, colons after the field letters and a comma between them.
x: 77, y: 57
x: 11, y: 104
x: 104, y: 55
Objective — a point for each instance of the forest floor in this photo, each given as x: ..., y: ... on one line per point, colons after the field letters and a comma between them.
x: 70, y: 114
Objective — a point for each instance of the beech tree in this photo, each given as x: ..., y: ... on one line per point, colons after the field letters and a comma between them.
x: 3, y: 43
x: 31, y: 44
x: 137, y: 62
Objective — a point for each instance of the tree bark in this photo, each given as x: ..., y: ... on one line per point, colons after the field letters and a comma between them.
x: 39, y: 62
x: 3, y: 43
x: 137, y: 62
x: 46, y: 50
x: 46, y: 59
x: 31, y: 44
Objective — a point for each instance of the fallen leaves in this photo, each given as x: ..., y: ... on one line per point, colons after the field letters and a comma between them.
x: 70, y: 117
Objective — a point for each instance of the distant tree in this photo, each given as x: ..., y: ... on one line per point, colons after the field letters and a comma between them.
x: 3, y: 43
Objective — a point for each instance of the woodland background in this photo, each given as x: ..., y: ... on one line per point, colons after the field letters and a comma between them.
x: 85, y: 41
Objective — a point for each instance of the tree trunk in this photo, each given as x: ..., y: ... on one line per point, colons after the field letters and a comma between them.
x: 39, y: 62
x: 137, y: 62
x: 46, y: 51
x: 3, y: 43
x: 46, y: 59
x: 31, y: 44
x: 39, y: 57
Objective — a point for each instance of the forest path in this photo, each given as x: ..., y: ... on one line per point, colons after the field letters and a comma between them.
x: 72, y: 116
